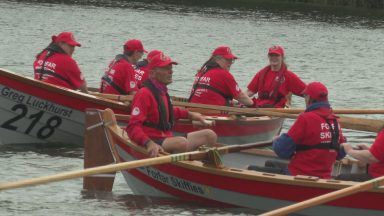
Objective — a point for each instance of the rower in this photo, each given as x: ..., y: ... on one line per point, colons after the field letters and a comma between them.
x: 374, y: 156
x: 55, y: 64
x: 153, y: 116
x: 119, y: 78
x: 141, y: 69
x: 273, y: 83
x: 214, y: 84
x: 313, y: 142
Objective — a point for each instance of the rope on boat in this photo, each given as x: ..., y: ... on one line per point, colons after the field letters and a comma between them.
x: 213, y: 159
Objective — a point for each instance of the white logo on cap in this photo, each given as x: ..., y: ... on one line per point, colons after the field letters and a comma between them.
x: 228, y: 50
x: 136, y: 111
x: 132, y: 84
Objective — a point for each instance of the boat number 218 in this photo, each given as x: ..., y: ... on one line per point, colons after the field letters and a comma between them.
x: 44, y: 132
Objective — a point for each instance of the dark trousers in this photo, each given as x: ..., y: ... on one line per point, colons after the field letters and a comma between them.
x: 359, y: 177
x: 272, y: 166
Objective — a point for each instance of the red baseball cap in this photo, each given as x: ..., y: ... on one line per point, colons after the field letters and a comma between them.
x: 152, y: 54
x: 134, y: 45
x: 225, y: 52
x: 66, y: 37
x: 160, y: 60
x: 316, y: 91
x: 279, y: 50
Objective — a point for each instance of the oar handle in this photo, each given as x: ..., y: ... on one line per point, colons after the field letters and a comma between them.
x: 195, y: 155
x: 374, y: 183
x: 207, y: 123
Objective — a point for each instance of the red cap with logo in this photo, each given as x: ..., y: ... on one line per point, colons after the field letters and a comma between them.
x: 66, y: 37
x: 279, y: 50
x: 160, y: 60
x: 152, y: 54
x: 134, y: 45
x: 316, y: 91
x: 225, y: 52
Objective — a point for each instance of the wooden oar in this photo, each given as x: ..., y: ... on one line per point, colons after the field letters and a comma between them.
x: 336, y: 111
x: 125, y: 98
x: 207, y: 122
x: 367, y: 185
x: 362, y: 124
x: 195, y: 155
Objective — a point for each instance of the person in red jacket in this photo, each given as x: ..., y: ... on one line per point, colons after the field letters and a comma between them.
x: 55, y: 64
x: 374, y: 156
x: 274, y: 82
x: 119, y: 78
x: 313, y: 143
x: 141, y: 70
x: 153, y: 116
x: 214, y: 84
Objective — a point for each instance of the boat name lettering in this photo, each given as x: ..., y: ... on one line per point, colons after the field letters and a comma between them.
x: 48, y: 107
x: 15, y: 96
x: 43, y: 132
x: 35, y: 102
x: 175, y: 182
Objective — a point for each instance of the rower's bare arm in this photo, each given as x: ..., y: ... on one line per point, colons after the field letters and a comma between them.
x: 83, y: 87
x: 244, y: 99
x: 250, y: 93
x: 363, y: 155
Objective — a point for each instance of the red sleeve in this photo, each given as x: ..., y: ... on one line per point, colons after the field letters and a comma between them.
x: 140, y: 108
x: 377, y: 148
x: 74, y: 74
x: 130, y: 81
x: 233, y: 87
x: 180, y: 113
x: 342, y: 138
x: 253, y: 85
x: 296, y: 131
x: 296, y: 85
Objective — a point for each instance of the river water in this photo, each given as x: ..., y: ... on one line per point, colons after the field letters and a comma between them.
x: 344, y: 52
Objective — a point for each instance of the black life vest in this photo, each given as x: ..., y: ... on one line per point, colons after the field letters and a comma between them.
x: 228, y: 98
x: 51, y: 50
x: 108, y: 80
x: 164, y: 123
x: 334, y: 144
x: 142, y: 63
x: 265, y: 95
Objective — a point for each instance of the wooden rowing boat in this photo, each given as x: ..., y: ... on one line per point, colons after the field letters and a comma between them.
x: 35, y: 112
x: 231, y: 185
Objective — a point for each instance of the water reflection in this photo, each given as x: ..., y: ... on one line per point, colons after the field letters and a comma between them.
x: 273, y: 11
x: 144, y: 204
x: 49, y: 149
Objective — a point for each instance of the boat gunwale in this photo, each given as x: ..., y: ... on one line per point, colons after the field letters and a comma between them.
x: 61, y: 90
x: 330, y: 184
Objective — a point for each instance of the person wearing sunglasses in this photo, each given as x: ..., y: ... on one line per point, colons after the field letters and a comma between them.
x: 153, y: 115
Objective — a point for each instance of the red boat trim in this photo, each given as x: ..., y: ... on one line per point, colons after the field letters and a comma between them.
x: 280, y: 191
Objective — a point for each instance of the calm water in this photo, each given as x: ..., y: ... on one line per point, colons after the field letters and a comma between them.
x: 346, y: 53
